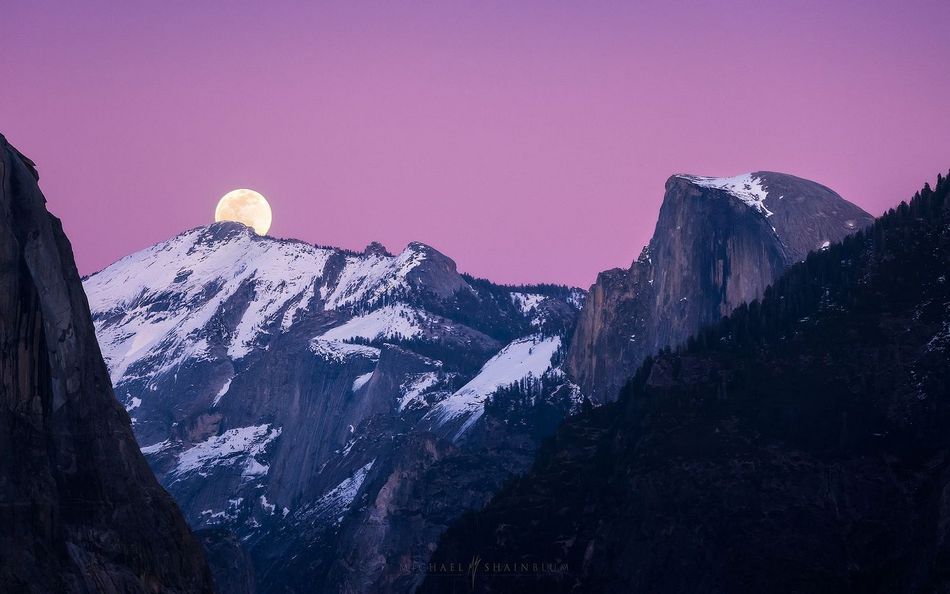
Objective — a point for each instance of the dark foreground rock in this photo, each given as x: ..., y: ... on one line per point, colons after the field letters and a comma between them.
x: 231, y: 565
x: 80, y: 511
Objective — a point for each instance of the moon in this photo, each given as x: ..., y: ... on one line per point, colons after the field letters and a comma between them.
x: 247, y: 207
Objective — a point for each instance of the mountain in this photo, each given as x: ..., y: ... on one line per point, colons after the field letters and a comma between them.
x: 333, y: 410
x: 799, y: 445
x: 719, y: 242
x: 79, y: 509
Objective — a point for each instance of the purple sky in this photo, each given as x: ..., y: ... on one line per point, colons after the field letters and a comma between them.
x: 528, y: 141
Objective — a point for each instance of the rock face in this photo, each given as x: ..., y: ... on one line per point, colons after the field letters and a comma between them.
x: 719, y: 242
x: 231, y: 565
x: 306, y: 398
x: 80, y: 511
x: 800, y: 445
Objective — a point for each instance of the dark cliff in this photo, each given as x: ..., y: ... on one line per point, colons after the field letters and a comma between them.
x: 80, y: 511
x: 718, y: 242
x: 799, y: 445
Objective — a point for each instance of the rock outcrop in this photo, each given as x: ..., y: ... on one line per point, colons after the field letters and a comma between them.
x: 80, y: 511
x: 719, y: 242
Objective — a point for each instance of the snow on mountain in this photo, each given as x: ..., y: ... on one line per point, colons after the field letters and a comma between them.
x: 224, y: 390
x: 526, y: 302
x: 415, y: 385
x: 156, y: 301
x: 370, y: 276
x: 160, y: 298
x: 338, y: 499
x: 361, y: 380
x: 523, y: 358
x: 156, y: 447
x: 339, y: 351
x: 239, y: 445
x: 390, y: 321
x: 576, y: 298
x: 746, y: 187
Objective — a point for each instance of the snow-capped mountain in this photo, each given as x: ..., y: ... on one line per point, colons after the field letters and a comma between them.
x: 277, y: 387
x: 718, y: 243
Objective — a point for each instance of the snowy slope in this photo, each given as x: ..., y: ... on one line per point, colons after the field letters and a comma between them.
x: 414, y: 386
x: 235, y: 446
x: 160, y: 298
x: 372, y: 276
x: 523, y: 358
x: 153, y: 309
x: 338, y: 499
x: 386, y: 322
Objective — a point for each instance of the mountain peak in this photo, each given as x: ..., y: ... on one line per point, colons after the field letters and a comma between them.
x: 719, y: 242
x: 418, y: 246
x: 224, y: 230
x: 747, y: 187
x: 375, y: 248
x: 803, y: 214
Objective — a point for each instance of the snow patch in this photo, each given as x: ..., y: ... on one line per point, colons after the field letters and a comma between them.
x: 391, y: 321
x: 578, y: 297
x: 133, y: 404
x: 301, y: 305
x: 239, y: 445
x: 338, y: 499
x: 156, y: 447
x: 360, y: 381
x: 940, y: 343
x: 267, y: 506
x: 254, y: 468
x: 414, y: 385
x: 746, y: 187
x: 527, y: 302
x: 338, y: 351
x: 224, y: 390
x: 523, y: 358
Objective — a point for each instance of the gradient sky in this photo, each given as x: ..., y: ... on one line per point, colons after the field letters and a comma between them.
x: 529, y: 141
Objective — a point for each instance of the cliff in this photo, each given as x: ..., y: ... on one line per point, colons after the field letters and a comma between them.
x: 80, y: 511
x: 719, y: 242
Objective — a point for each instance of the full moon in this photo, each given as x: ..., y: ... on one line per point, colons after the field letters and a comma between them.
x: 245, y: 206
